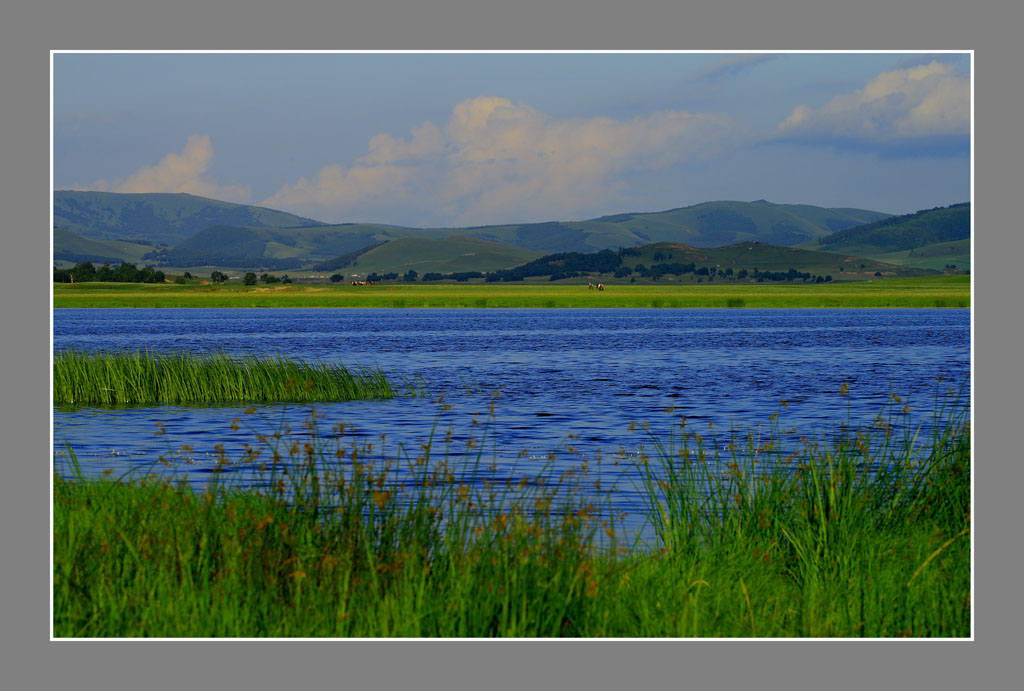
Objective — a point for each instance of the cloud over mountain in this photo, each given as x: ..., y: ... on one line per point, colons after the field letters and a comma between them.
x: 929, y: 104
x: 182, y: 172
x: 495, y: 157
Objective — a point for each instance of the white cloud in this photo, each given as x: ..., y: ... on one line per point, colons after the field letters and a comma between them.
x: 335, y: 186
x: 500, y: 161
x: 426, y: 140
x: 921, y: 101
x: 177, y: 173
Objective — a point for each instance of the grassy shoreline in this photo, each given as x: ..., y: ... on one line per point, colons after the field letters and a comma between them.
x: 927, y: 292
x: 864, y: 534
x: 144, y: 378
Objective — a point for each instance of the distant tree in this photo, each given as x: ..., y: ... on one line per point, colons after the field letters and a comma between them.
x: 410, y: 275
x: 126, y: 273
x: 337, y: 278
x: 271, y: 278
x: 249, y: 279
x: 217, y: 276
x: 742, y: 274
x: 83, y: 272
x: 878, y: 273
x: 188, y: 275
x: 180, y: 280
x: 149, y: 275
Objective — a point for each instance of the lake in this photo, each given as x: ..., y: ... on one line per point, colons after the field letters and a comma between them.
x: 598, y: 375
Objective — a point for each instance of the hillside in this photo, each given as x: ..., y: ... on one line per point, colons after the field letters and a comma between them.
x: 711, y: 224
x: 273, y: 248
x: 941, y: 255
x: 714, y: 224
x: 674, y: 262
x: 203, y: 232
x: 449, y: 255
x: 157, y: 218
x: 71, y: 249
x: 901, y: 233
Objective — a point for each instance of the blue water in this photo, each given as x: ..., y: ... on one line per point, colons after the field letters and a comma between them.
x: 596, y: 374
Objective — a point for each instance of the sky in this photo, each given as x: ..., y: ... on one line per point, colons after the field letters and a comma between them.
x: 459, y: 139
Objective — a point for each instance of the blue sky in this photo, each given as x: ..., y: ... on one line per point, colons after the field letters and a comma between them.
x: 462, y: 139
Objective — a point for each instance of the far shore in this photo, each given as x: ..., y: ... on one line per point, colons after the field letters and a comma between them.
x: 927, y: 292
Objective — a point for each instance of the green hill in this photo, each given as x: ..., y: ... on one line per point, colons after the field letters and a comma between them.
x: 450, y: 255
x: 70, y: 249
x: 941, y: 256
x: 714, y: 224
x: 711, y: 224
x: 273, y: 248
x: 675, y: 262
x: 207, y: 232
x: 157, y: 218
x: 901, y: 233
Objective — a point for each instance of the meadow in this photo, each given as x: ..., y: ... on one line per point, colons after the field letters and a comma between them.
x: 937, y: 291
x: 859, y: 533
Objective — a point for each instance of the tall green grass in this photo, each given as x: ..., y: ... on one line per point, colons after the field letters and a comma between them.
x: 855, y: 535
x: 141, y: 377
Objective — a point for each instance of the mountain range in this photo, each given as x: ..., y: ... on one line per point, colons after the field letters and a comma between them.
x: 182, y: 230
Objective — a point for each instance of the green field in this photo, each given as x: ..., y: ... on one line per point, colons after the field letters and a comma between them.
x: 937, y: 256
x: 937, y: 291
x: 866, y: 534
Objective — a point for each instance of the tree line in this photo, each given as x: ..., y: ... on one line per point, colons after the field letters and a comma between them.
x: 125, y: 273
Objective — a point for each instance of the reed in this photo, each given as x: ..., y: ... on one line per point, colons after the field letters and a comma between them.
x: 861, y: 534
x: 150, y: 378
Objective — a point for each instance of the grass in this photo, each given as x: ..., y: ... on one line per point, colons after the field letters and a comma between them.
x: 861, y: 534
x: 150, y: 378
x: 949, y: 291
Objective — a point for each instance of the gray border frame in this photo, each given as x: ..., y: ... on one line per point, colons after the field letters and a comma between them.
x: 30, y: 30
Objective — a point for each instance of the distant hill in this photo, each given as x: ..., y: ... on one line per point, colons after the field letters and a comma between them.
x: 711, y: 224
x: 715, y: 224
x: 203, y: 231
x: 157, y: 218
x: 675, y: 262
x: 71, y: 249
x: 942, y: 225
x: 953, y: 255
x: 449, y: 255
x: 273, y: 248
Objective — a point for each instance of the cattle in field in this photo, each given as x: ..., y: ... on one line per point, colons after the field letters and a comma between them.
x: 600, y: 286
